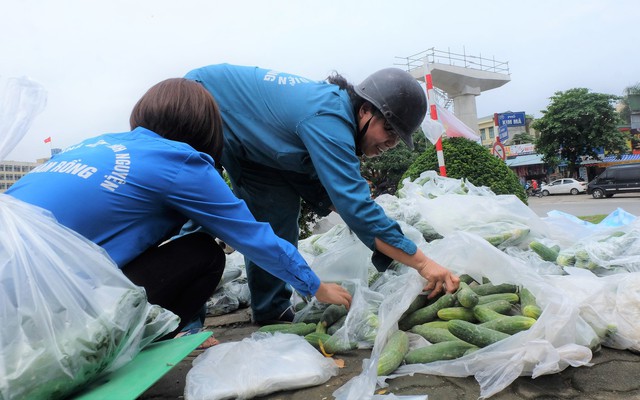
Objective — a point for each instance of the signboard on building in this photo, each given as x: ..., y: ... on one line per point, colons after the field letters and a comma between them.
x: 512, y: 119
x: 520, y: 149
x: 503, y: 133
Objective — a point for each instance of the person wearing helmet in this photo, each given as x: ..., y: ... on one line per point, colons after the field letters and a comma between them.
x: 287, y: 137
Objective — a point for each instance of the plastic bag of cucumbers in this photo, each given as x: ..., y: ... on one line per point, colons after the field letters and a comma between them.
x: 558, y: 338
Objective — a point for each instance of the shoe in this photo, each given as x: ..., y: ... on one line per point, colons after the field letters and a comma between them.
x: 210, y: 342
x: 286, y: 316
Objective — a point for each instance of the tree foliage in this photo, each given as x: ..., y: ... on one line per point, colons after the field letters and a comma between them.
x: 470, y: 160
x: 625, y: 111
x: 578, y: 122
x: 385, y: 171
x: 522, y: 138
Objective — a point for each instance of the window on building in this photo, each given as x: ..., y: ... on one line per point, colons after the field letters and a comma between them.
x: 483, y: 134
x: 491, y: 134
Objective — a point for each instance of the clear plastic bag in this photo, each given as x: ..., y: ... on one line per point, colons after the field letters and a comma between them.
x: 609, y: 304
x: 261, y: 364
x: 340, y: 256
x: 21, y: 99
x: 229, y: 297
x: 68, y: 313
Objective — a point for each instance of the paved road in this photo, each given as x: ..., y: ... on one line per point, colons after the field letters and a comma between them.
x: 582, y: 204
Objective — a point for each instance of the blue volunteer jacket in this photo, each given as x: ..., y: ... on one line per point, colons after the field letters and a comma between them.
x: 129, y: 191
x: 291, y: 123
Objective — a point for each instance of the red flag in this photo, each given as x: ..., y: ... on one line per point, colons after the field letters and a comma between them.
x: 454, y: 127
x: 48, y: 140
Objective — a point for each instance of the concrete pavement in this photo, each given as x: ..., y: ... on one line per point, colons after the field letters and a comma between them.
x: 614, y: 375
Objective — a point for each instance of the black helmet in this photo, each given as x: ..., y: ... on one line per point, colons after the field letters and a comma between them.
x: 400, y: 99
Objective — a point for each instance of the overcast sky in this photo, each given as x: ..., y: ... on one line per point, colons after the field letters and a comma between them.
x: 96, y: 58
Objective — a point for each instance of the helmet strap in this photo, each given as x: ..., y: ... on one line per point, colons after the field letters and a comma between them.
x: 360, y: 135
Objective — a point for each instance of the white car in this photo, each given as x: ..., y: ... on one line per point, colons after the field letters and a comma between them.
x: 564, y: 186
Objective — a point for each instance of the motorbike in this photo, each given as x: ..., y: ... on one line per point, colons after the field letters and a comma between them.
x: 531, y: 192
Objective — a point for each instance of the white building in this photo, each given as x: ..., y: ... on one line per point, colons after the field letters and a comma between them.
x: 11, y: 171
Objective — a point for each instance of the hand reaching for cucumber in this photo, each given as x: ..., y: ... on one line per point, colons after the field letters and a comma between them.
x: 333, y: 293
x: 439, y: 279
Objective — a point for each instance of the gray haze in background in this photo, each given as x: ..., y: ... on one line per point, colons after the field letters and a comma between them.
x: 96, y: 58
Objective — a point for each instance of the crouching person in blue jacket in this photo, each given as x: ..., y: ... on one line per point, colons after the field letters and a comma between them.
x: 129, y: 192
x: 288, y: 138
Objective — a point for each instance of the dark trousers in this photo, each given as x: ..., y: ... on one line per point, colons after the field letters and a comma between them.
x: 180, y: 275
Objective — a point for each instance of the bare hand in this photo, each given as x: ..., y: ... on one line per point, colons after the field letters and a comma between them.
x: 438, y: 278
x: 333, y: 293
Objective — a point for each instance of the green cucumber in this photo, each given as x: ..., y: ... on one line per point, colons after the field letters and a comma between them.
x: 438, y: 351
x: 546, y: 253
x: 510, y: 297
x: 428, y: 313
x: 490, y: 288
x: 393, y: 353
x: 510, y: 324
x: 299, y: 328
x: 433, y: 335
x: 484, y: 314
x: 463, y: 313
x: 475, y: 334
x: 467, y: 297
x: 529, y: 304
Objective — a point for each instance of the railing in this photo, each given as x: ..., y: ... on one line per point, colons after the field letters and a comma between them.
x: 460, y: 60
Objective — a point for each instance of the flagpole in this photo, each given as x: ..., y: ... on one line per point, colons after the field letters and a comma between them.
x: 433, y: 114
x: 48, y: 140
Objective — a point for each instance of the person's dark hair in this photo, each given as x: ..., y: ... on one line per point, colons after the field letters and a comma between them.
x: 336, y: 79
x: 356, y: 101
x: 182, y: 110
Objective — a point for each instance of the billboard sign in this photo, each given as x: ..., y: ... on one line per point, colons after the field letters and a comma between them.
x: 512, y: 119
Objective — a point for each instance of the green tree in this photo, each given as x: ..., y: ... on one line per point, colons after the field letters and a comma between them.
x: 576, y: 123
x: 522, y: 138
x: 470, y: 160
x: 625, y: 111
x: 385, y: 171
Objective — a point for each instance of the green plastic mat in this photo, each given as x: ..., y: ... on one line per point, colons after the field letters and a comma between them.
x: 142, y: 372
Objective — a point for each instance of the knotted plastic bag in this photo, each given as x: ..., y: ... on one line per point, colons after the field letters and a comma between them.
x: 261, y: 364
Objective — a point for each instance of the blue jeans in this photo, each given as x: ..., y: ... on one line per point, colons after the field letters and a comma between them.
x: 273, y: 196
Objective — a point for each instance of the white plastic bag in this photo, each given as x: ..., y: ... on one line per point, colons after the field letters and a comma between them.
x: 68, y: 313
x: 339, y: 255
x: 609, y: 304
x: 261, y: 364
x: 21, y: 99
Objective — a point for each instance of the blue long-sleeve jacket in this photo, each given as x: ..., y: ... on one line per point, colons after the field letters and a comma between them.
x: 291, y: 123
x: 129, y: 191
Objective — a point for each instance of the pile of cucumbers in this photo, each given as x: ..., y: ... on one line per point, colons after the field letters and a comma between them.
x: 455, y: 324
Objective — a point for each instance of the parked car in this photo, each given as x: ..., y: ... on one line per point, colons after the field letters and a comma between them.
x: 564, y: 186
x: 615, y: 179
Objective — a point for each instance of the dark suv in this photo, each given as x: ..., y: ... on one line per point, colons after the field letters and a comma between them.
x: 615, y: 179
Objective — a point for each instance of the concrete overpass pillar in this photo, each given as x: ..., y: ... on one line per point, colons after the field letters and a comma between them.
x: 464, y: 104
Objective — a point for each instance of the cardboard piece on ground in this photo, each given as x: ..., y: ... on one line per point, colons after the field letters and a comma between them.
x: 144, y: 370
